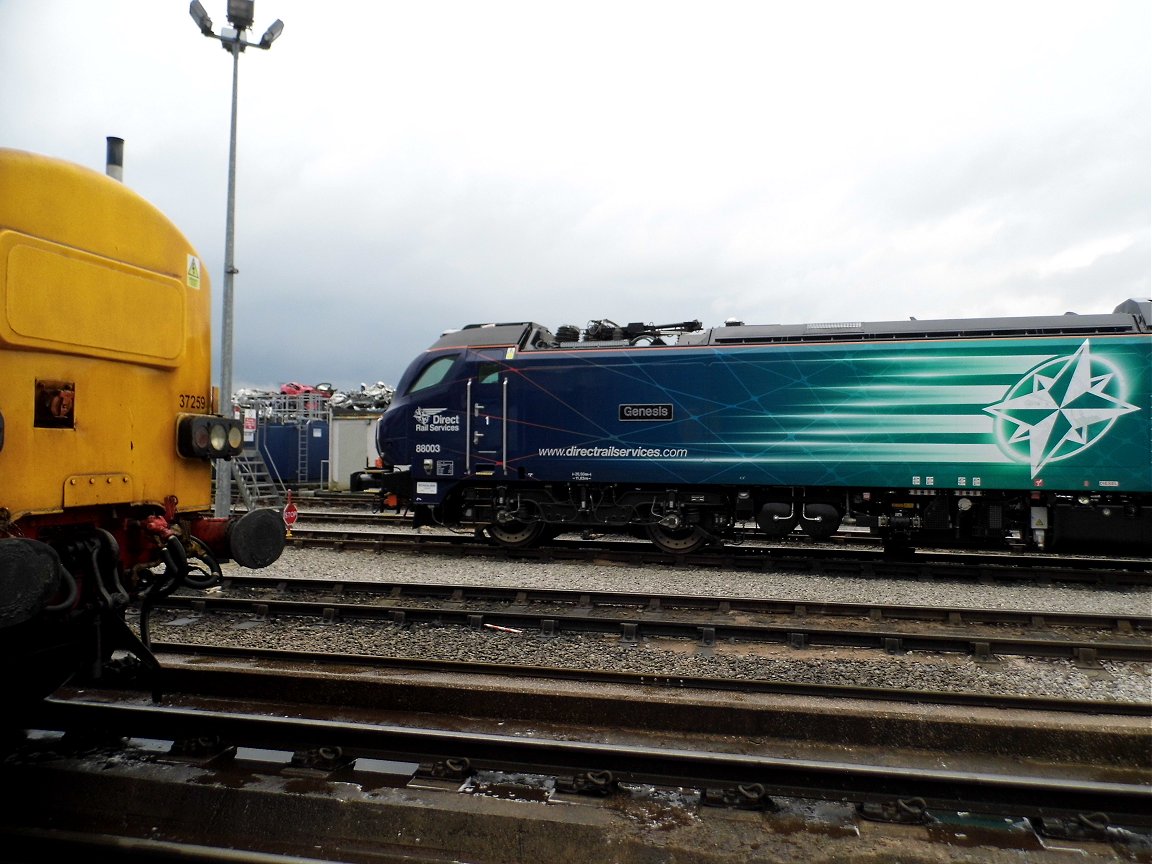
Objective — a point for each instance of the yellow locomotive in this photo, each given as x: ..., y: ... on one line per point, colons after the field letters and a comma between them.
x: 109, y: 423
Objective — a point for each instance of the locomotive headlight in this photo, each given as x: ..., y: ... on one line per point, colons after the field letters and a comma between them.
x: 193, y: 435
x: 227, y: 438
x: 201, y: 436
x: 964, y: 505
x: 219, y: 437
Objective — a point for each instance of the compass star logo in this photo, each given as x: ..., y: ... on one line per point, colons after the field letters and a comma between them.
x: 1060, y: 408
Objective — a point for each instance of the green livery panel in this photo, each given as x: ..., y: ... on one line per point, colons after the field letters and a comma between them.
x: 1050, y: 413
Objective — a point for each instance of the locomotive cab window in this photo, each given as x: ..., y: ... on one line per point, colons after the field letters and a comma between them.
x: 55, y: 402
x: 433, y: 374
x: 489, y: 373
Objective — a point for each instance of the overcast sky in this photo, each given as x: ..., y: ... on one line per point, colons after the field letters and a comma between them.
x: 407, y: 168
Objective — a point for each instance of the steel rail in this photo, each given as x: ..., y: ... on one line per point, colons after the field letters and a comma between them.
x: 798, y: 633
x: 827, y: 561
x: 680, y: 682
x: 972, y: 791
x: 655, y: 602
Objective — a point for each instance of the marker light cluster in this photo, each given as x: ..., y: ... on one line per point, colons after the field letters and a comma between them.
x: 205, y: 436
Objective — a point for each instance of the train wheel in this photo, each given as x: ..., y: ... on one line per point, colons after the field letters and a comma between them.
x: 517, y: 535
x: 678, y: 541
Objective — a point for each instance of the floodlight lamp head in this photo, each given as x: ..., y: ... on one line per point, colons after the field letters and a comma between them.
x: 200, y: 17
x: 232, y: 40
x: 272, y: 34
x: 241, y: 13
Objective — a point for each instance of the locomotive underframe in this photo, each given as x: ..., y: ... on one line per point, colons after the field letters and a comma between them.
x: 66, y: 579
x: 682, y: 519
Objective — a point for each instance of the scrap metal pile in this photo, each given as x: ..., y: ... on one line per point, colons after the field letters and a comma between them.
x: 324, y: 396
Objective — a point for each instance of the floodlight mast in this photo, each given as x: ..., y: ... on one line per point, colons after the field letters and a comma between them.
x: 241, y: 14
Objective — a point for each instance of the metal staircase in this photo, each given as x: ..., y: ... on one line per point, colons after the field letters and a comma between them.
x: 254, y: 482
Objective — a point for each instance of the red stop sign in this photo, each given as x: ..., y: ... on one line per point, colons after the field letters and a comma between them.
x: 290, y: 514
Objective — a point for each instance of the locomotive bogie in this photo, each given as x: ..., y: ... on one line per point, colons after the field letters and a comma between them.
x: 1030, y: 431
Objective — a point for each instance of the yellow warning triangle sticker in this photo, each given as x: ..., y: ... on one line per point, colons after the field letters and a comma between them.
x: 193, y: 272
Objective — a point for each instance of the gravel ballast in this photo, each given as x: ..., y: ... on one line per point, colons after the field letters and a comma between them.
x: 1125, y: 682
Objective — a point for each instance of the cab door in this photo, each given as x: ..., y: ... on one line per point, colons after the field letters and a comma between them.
x: 487, y: 428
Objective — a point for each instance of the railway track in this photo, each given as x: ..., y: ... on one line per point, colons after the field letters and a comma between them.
x: 825, y: 559
x: 980, y: 633
x: 594, y: 676
x: 586, y: 636
x: 262, y: 746
x: 308, y: 746
x: 596, y: 766
x: 340, y: 500
x: 253, y: 760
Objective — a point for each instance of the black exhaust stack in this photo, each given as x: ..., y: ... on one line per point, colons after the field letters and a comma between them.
x: 115, y: 158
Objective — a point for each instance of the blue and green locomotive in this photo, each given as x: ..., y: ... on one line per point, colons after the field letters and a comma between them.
x: 1035, y: 430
